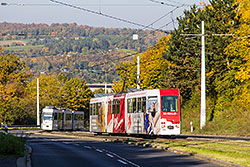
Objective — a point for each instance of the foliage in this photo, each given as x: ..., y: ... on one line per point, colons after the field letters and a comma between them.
x: 76, y: 95
x: 152, y: 69
x: 13, y: 80
x: 184, y: 53
x: 73, y: 48
x: 18, y: 93
x: 11, y: 145
x: 239, y: 49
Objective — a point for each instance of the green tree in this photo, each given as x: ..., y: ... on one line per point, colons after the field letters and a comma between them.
x: 184, y: 53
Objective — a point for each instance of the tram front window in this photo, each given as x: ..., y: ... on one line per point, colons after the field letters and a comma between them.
x: 47, y: 117
x: 169, y: 103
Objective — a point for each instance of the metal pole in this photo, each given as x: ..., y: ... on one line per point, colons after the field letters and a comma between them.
x: 38, y: 112
x: 203, y: 79
x: 105, y: 87
x: 138, y: 72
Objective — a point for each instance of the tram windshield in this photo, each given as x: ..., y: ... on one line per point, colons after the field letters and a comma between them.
x: 47, y: 117
x: 169, y: 103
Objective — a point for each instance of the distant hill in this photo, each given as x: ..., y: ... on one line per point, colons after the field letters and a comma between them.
x: 74, y: 49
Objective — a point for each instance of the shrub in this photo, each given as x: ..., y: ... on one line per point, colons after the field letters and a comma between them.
x: 11, y: 145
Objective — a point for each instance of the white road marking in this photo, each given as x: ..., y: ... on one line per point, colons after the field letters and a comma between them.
x: 123, y: 159
x: 77, y: 144
x: 110, y: 155
x: 87, y: 147
x: 99, y: 150
x: 122, y: 162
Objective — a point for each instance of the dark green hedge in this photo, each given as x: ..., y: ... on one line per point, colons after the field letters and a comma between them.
x: 11, y: 145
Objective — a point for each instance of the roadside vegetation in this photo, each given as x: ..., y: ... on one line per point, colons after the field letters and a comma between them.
x: 11, y: 145
x: 236, y: 152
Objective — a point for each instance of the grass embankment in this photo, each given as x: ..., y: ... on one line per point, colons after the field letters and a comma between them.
x: 11, y: 146
x: 237, y: 152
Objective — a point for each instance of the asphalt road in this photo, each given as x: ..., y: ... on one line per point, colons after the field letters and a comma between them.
x: 63, y: 152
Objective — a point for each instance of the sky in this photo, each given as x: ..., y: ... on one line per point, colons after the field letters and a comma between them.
x: 139, y: 14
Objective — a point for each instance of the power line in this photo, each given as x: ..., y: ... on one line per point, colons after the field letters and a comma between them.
x: 165, y: 25
x: 106, y: 15
x: 163, y: 16
x: 120, y: 58
x: 169, y: 4
x: 108, y: 5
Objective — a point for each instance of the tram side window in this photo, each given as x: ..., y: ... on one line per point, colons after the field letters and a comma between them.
x: 134, y: 105
x: 97, y: 106
x: 79, y: 117
x: 68, y: 116
x: 60, y: 116
x: 114, y: 109
x: 139, y: 105
x: 143, y: 104
x: 92, y: 109
x: 54, y: 116
x: 169, y: 103
x: 129, y: 105
x: 118, y: 106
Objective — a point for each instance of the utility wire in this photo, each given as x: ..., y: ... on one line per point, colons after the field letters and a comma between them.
x: 106, y: 15
x: 110, y: 5
x: 168, y: 4
x: 162, y: 17
x: 165, y: 25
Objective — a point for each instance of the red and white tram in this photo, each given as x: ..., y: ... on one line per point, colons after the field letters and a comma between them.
x: 143, y: 112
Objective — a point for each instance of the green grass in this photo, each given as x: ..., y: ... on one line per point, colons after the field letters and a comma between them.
x: 127, y: 51
x: 26, y: 47
x: 22, y: 128
x: 237, y: 152
x: 11, y: 146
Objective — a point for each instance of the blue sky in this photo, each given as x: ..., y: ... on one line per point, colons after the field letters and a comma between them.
x: 143, y: 12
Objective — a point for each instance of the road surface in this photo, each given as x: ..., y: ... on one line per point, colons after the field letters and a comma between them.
x: 63, y: 152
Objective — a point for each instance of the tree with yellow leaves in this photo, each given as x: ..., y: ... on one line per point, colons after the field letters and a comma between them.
x: 239, y: 49
x: 152, y: 69
x: 13, y: 81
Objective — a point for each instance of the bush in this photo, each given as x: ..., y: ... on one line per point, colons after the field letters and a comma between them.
x: 11, y: 145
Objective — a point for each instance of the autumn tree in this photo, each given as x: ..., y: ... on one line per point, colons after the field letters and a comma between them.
x: 152, y: 69
x: 240, y: 51
x: 13, y: 80
x: 76, y: 95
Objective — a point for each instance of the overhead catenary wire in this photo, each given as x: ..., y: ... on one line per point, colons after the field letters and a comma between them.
x: 94, y: 5
x: 106, y: 15
x: 162, y: 17
x: 163, y: 3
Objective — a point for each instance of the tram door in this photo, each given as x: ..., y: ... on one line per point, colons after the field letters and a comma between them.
x: 118, y: 111
x: 152, y: 116
x: 136, y: 114
x: 97, y: 117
